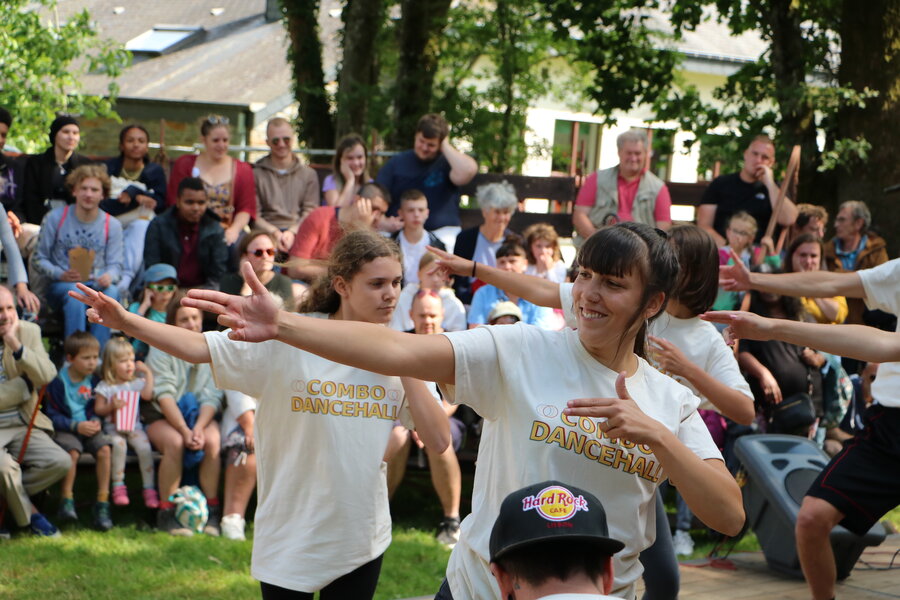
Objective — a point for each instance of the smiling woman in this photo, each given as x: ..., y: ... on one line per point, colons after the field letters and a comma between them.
x: 537, y: 389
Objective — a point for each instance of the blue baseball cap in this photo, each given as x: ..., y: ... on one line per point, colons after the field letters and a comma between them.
x: 160, y: 271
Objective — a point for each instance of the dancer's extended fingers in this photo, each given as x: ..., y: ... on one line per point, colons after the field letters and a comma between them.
x: 206, y: 305
x: 719, y: 316
x: 81, y: 297
x: 621, y: 389
x: 208, y: 295
x: 256, y: 286
x: 591, y: 407
x: 93, y: 316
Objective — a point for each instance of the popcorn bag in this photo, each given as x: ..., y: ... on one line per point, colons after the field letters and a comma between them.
x: 126, y: 416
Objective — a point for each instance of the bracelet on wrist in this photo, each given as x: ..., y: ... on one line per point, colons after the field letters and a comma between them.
x: 474, y: 264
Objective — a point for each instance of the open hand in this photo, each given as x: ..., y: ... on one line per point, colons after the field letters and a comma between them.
x: 669, y: 357
x: 624, y: 418
x: 455, y: 265
x: 103, y: 309
x: 26, y: 298
x: 252, y: 318
x: 735, y: 277
x: 742, y: 325
x: 770, y: 387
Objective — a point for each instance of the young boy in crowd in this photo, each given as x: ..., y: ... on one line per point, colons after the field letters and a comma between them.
x: 70, y: 405
x: 413, y: 238
x: 432, y: 277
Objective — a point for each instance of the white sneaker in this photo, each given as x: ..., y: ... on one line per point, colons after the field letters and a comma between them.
x: 448, y: 532
x: 233, y: 527
x: 684, y: 545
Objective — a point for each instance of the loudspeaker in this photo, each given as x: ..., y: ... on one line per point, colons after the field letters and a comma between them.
x: 779, y: 470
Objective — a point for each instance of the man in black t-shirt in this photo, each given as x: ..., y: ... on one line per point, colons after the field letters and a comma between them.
x: 752, y: 189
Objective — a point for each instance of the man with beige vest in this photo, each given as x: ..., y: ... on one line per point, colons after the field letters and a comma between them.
x: 24, y: 369
x: 626, y: 192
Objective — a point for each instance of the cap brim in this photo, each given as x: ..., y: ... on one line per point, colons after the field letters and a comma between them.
x: 603, y: 545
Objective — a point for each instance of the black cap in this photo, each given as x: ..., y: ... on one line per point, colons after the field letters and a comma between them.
x: 60, y: 122
x: 548, y: 511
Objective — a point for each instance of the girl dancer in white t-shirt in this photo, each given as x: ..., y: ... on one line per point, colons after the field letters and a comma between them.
x: 322, y: 520
x: 581, y: 405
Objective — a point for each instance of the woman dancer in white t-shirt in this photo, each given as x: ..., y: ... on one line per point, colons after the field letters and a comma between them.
x: 582, y: 404
x: 322, y: 520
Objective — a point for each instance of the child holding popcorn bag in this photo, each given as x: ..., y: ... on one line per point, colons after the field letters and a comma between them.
x: 124, y: 383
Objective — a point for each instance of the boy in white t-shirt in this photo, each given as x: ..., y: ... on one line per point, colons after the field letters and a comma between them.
x: 413, y: 238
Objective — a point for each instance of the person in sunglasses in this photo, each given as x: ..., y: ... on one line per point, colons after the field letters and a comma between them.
x: 258, y: 248
x: 286, y: 189
x: 161, y: 282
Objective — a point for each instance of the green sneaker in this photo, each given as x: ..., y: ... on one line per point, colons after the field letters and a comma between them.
x: 67, y: 510
x: 102, y: 520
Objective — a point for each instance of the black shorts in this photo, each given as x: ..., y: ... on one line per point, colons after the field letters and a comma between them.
x: 863, y: 480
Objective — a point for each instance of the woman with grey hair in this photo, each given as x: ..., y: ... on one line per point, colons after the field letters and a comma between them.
x: 498, y: 202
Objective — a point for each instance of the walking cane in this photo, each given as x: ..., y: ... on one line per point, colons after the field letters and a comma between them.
x: 21, y: 456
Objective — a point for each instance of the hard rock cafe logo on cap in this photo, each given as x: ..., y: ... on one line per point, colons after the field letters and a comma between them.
x: 555, y: 503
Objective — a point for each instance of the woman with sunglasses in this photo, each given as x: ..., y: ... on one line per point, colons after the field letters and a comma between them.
x: 348, y: 171
x: 228, y: 181
x: 258, y: 248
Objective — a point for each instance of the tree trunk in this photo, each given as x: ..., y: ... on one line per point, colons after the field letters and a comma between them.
x: 798, y: 122
x: 315, y: 127
x: 506, y: 28
x: 870, y: 57
x: 421, y: 24
x: 358, y: 80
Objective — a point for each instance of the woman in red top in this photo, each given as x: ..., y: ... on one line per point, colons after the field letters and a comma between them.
x: 228, y: 181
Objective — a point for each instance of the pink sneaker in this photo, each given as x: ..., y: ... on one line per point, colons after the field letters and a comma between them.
x: 120, y: 495
x: 151, y: 498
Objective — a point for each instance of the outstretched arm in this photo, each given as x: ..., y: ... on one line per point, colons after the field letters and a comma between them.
x: 536, y: 290
x: 813, y: 284
x: 186, y: 345
x: 853, y: 341
x: 362, y: 345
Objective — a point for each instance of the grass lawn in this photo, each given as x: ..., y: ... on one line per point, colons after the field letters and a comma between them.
x: 132, y: 562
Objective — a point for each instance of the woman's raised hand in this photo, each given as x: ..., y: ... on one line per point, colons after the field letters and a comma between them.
x: 103, y: 309
x: 455, y: 265
x: 252, y: 318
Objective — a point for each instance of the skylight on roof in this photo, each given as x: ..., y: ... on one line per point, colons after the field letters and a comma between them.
x: 163, y: 38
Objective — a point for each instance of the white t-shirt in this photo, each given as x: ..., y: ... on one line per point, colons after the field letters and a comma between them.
x: 699, y: 340
x: 882, y: 286
x: 321, y: 432
x: 454, y: 311
x: 557, y: 272
x: 519, y: 378
x: 412, y: 254
x: 704, y: 346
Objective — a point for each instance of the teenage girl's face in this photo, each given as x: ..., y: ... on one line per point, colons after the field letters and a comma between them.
x: 806, y: 257
x: 605, y: 304
x: 216, y: 142
x: 68, y: 137
x: 261, y: 254
x: 124, y: 367
x: 371, y: 295
x: 355, y: 158
x: 135, y: 144
x: 189, y: 318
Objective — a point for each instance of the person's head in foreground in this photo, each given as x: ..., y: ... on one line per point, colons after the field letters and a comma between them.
x: 362, y: 282
x: 551, y: 538
x: 505, y: 313
x: 626, y: 273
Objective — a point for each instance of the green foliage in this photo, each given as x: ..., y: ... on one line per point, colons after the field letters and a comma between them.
x: 509, y: 56
x: 42, y: 63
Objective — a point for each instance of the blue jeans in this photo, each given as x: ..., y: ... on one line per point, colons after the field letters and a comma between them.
x: 73, y: 311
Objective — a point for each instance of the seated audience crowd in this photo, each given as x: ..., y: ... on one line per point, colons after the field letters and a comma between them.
x: 126, y: 229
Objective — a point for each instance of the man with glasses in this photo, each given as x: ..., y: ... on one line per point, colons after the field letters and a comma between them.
x: 752, y: 189
x: 286, y: 190
x: 189, y: 237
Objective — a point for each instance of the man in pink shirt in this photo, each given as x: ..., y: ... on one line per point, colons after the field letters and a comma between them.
x: 626, y: 192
